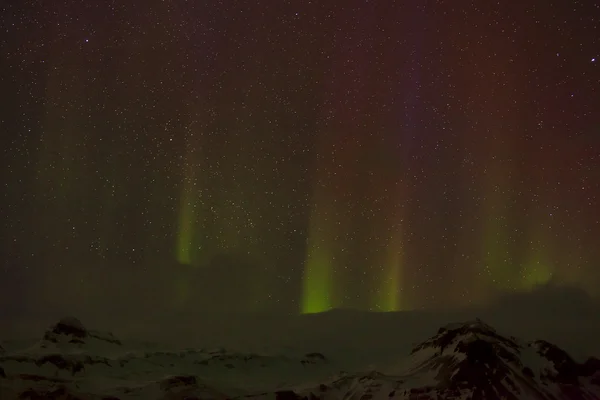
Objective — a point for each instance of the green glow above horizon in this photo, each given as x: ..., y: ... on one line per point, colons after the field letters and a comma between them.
x: 538, y: 264
x: 184, y: 247
x: 181, y: 291
x: 317, y: 283
x: 496, y: 253
x: 317, y: 279
x: 395, y: 283
x: 538, y: 269
x: 187, y: 209
x: 185, y: 230
x: 496, y: 186
x: 536, y: 274
x: 390, y: 295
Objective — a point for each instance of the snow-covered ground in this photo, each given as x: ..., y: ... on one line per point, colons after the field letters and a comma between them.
x: 336, y: 355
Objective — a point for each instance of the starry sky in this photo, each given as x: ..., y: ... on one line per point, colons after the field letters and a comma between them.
x: 296, y: 156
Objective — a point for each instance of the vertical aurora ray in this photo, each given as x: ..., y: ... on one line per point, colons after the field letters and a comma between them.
x: 538, y: 266
x: 537, y: 269
x: 493, y: 145
x: 185, y: 230
x: 181, y: 291
x: 494, y: 251
x: 318, y: 291
x: 186, y: 222
x: 389, y: 292
x: 499, y: 268
x: 187, y: 207
x: 389, y: 296
x: 317, y: 280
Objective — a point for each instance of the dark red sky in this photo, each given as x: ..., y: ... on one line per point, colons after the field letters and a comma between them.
x: 303, y: 156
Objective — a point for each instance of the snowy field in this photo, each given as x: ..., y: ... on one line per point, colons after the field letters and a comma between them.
x: 341, y: 354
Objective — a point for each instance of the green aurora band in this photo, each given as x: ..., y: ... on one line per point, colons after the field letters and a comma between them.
x: 185, y: 232
x: 187, y: 208
x: 317, y: 283
x: 538, y: 268
x: 390, y: 294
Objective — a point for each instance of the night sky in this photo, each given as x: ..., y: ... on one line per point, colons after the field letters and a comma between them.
x: 296, y: 156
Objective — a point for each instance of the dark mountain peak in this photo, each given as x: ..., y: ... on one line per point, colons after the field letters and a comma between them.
x: 565, y: 369
x: 552, y: 352
x: 473, y: 357
x: 465, y: 337
x: 70, y: 326
x: 476, y: 324
x: 70, y: 330
x: 591, y: 367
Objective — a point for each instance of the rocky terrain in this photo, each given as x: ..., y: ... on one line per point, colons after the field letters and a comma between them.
x: 469, y: 360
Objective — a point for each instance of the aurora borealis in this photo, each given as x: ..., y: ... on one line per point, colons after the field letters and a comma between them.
x: 297, y: 156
